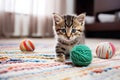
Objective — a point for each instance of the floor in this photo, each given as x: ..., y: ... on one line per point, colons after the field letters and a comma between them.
x: 91, y: 42
x: 39, y: 65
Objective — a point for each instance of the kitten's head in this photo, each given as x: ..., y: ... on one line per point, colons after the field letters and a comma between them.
x: 68, y: 27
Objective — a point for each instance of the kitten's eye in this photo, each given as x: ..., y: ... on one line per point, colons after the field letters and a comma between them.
x: 73, y: 30
x: 63, y: 30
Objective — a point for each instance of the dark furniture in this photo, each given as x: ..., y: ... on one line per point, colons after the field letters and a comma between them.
x: 95, y: 7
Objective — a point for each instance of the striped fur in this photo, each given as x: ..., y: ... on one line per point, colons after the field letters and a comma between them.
x: 69, y: 30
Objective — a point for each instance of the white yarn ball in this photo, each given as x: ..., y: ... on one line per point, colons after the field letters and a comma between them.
x: 105, y: 50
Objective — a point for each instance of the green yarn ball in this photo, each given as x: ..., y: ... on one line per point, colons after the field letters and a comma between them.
x: 81, y: 55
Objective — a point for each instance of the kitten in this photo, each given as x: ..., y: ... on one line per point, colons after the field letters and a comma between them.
x: 69, y: 31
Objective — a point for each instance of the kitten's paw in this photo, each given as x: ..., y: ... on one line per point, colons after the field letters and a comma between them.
x: 60, y: 59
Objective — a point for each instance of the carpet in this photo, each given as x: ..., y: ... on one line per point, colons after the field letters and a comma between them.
x: 40, y: 64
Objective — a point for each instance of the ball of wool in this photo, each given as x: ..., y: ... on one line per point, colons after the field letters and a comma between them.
x: 27, y: 45
x: 105, y: 50
x: 81, y: 55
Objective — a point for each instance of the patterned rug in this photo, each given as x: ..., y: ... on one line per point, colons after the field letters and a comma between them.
x: 40, y: 65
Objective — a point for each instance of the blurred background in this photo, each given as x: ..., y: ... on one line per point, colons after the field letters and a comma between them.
x: 33, y: 18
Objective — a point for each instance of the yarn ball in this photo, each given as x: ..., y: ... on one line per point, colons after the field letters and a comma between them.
x: 105, y: 50
x: 81, y: 55
x: 27, y: 45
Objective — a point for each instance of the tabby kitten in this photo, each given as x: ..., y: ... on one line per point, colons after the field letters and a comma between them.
x: 69, y: 31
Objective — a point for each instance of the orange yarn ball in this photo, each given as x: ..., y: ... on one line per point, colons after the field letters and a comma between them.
x: 27, y: 45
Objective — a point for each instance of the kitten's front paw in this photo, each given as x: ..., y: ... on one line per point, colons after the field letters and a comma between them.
x: 60, y: 58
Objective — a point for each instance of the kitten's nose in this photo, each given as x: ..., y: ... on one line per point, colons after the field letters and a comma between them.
x: 68, y: 34
x: 68, y: 37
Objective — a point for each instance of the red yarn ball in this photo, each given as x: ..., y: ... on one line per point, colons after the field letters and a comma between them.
x: 27, y: 45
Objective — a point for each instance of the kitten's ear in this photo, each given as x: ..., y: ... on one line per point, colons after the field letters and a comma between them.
x: 81, y: 17
x: 57, y: 18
